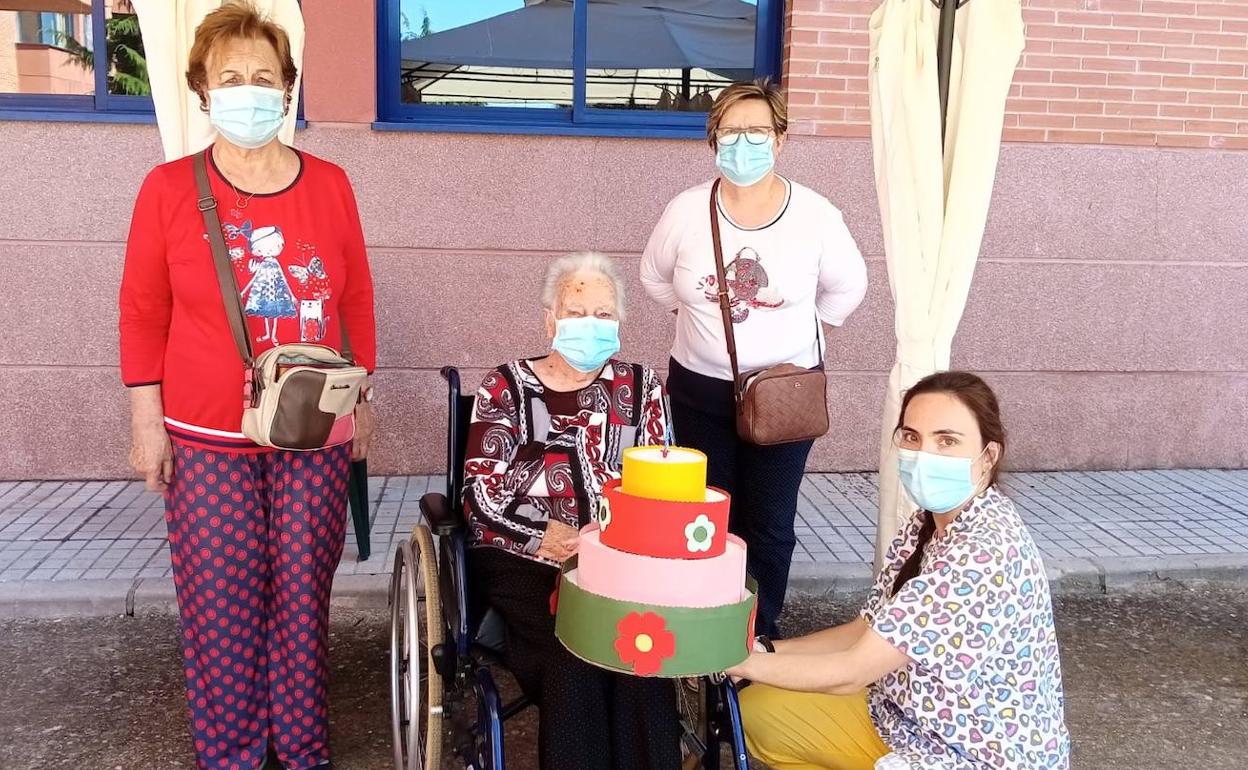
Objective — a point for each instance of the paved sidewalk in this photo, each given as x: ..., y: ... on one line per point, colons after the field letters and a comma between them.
x: 1099, y: 527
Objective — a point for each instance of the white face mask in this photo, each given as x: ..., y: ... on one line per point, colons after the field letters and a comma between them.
x: 247, y: 116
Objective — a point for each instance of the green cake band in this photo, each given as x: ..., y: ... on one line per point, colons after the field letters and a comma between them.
x: 649, y: 639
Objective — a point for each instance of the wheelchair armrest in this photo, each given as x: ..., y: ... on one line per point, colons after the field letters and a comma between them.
x: 443, y: 519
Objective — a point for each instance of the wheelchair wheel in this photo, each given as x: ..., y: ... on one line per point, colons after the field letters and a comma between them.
x: 415, y: 629
x: 691, y: 703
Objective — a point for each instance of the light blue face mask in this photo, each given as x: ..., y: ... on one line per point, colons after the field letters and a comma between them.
x: 746, y: 164
x: 247, y: 116
x: 586, y: 343
x: 937, y: 483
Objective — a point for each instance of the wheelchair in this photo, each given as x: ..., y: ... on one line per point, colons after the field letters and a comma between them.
x: 446, y: 710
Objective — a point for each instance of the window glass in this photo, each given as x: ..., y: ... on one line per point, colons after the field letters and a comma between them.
x: 667, y: 54
x: 53, y: 52
x: 127, y: 64
x: 486, y: 53
x: 47, y: 52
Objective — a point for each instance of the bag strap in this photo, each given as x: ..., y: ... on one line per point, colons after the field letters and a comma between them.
x: 225, y: 272
x: 724, y: 307
x: 221, y: 258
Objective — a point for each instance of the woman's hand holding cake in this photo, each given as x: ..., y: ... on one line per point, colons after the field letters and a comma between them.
x: 559, y: 543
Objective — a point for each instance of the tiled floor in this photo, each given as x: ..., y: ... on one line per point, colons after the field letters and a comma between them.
x: 96, y: 529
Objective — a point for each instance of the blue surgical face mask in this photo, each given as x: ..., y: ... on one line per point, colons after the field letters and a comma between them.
x: 746, y: 164
x: 937, y: 483
x: 587, y: 343
x: 247, y: 116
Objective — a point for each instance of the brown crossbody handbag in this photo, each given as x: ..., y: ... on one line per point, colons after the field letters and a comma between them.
x: 781, y: 404
x: 298, y: 397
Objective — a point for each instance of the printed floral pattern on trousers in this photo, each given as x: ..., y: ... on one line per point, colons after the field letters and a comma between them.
x: 983, y: 690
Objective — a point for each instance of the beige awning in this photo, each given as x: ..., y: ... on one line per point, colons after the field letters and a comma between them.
x: 168, y: 32
x: 50, y: 6
x: 933, y: 208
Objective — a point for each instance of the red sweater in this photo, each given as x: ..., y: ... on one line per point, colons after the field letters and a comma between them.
x: 301, y: 269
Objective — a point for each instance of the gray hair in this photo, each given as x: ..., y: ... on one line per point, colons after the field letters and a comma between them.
x: 564, y: 268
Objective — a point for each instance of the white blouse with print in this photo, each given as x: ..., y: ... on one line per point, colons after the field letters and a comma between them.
x: 802, y: 265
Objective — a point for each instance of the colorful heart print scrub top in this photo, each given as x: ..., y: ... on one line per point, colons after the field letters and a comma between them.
x: 984, y: 685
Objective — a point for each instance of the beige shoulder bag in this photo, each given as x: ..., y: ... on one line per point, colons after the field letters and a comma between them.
x: 295, y: 397
x: 778, y: 405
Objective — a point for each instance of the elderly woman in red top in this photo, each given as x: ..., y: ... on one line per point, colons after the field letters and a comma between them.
x: 255, y: 534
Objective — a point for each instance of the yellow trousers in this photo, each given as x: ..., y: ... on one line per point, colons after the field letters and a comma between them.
x: 809, y: 731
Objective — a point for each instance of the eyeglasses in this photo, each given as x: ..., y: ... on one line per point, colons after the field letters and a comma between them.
x: 753, y: 134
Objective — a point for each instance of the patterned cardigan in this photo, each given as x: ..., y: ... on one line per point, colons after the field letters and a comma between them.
x: 536, y: 455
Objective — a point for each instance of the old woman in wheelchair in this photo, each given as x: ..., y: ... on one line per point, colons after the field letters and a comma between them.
x: 545, y: 435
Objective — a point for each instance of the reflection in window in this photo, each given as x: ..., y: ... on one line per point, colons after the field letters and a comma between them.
x: 46, y: 51
x: 51, y: 50
x: 642, y: 54
x: 127, y: 65
x: 667, y: 55
x: 486, y: 52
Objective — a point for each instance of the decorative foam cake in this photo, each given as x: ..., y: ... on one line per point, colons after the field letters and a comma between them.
x: 658, y: 586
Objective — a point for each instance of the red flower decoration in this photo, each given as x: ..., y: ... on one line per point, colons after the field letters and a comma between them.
x: 749, y: 629
x: 644, y: 642
x: 554, y: 595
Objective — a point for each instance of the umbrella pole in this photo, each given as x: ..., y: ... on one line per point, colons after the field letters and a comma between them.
x: 944, y: 54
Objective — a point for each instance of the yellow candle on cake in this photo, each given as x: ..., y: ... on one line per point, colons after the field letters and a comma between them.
x: 676, y: 474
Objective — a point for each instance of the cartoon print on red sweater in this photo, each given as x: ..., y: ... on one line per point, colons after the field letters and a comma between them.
x: 313, y: 288
x: 268, y: 293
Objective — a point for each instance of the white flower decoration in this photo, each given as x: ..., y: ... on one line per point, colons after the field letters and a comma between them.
x: 604, y: 513
x: 699, y: 534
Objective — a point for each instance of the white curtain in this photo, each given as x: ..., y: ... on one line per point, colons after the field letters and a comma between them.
x: 933, y: 207
x: 168, y: 33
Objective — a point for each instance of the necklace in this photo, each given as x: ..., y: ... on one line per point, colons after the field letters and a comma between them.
x: 239, y: 201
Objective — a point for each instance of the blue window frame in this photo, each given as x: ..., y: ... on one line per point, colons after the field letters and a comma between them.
x: 557, y: 66
x: 111, y: 95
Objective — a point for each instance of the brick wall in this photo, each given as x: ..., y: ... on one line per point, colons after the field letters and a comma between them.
x: 1126, y: 72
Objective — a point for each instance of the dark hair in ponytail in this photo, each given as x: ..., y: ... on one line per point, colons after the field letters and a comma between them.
x: 976, y: 396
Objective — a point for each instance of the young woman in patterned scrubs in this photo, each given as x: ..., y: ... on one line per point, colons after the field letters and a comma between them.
x: 953, y: 662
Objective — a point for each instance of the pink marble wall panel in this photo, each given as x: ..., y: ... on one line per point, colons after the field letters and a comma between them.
x: 1061, y: 420
x: 1110, y: 306
x: 65, y: 312
x: 72, y: 181
x: 519, y: 193
x: 338, y: 87
x: 74, y: 423
x: 1055, y: 421
x: 477, y: 310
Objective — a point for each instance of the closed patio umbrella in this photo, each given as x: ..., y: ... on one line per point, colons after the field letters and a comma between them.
x: 933, y: 199
x: 168, y: 31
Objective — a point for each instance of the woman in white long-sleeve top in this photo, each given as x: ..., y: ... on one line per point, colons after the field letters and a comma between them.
x: 792, y: 267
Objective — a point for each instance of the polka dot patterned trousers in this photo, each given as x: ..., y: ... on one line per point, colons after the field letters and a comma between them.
x: 255, y: 540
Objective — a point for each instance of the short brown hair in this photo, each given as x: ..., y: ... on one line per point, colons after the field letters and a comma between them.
x: 237, y: 20
x: 739, y: 92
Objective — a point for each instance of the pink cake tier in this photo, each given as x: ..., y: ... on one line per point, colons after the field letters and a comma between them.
x: 629, y: 577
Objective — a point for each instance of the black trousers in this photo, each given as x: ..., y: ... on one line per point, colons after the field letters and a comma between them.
x: 590, y: 719
x: 764, y: 483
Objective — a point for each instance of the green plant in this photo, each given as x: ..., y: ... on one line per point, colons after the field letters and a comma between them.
x: 127, y: 66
